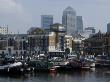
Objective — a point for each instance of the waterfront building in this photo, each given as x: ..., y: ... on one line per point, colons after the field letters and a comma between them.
x: 13, y: 44
x: 94, y: 45
x: 98, y: 44
x: 77, y: 43
x: 77, y: 46
x: 3, y: 42
x: 59, y: 31
x: 107, y: 43
x: 55, y: 41
x: 68, y: 42
x: 52, y: 42
x: 38, y: 41
x: 108, y: 27
x: 3, y: 30
x: 79, y: 24
x: 69, y: 20
x: 46, y: 21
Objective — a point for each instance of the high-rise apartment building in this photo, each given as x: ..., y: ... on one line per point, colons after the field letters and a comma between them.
x: 69, y: 20
x: 46, y: 21
x: 108, y: 27
x: 79, y: 24
x: 3, y: 30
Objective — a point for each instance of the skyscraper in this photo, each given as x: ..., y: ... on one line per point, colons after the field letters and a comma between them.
x: 108, y: 27
x: 46, y: 21
x: 90, y: 29
x: 69, y: 20
x: 79, y: 24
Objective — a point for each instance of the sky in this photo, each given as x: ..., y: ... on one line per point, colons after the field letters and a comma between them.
x: 20, y: 15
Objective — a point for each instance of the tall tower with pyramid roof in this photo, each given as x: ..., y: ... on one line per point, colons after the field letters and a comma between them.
x: 69, y: 20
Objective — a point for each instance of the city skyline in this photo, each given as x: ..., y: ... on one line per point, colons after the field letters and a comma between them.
x: 20, y: 15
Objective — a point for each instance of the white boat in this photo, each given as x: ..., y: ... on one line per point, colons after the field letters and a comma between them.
x: 12, y: 67
x: 8, y: 64
x: 16, y: 64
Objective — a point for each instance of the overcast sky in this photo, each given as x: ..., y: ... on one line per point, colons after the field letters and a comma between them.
x: 20, y: 15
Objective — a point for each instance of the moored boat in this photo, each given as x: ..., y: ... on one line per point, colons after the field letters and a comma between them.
x: 8, y: 65
x: 102, y: 61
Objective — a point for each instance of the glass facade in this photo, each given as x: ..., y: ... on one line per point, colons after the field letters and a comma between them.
x: 69, y: 20
x: 79, y: 24
x: 108, y: 27
x: 46, y: 21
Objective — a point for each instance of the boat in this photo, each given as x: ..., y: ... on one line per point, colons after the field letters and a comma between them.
x: 60, y: 64
x: 12, y: 68
x: 74, y: 64
x: 40, y: 64
x: 53, y: 70
x: 102, y: 61
x: 9, y: 65
x: 90, y: 62
x: 87, y: 63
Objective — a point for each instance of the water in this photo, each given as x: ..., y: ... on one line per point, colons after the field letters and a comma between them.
x: 99, y: 75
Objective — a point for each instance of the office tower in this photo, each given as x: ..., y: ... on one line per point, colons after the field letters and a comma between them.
x: 90, y: 30
x: 79, y: 24
x: 46, y: 21
x: 108, y: 27
x: 69, y: 20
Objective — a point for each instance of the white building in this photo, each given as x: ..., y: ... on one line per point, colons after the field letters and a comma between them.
x: 88, y: 32
x: 4, y: 30
x: 52, y: 46
x: 68, y: 42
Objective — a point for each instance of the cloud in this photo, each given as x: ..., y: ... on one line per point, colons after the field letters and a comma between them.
x: 13, y: 9
x: 13, y: 14
x: 10, y: 6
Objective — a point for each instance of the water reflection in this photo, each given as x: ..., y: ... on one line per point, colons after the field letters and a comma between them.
x: 99, y: 75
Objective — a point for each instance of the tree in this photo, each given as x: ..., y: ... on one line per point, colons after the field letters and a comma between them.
x: 37, y: 31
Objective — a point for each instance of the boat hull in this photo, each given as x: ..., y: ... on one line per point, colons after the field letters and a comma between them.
x: 14, y: 68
